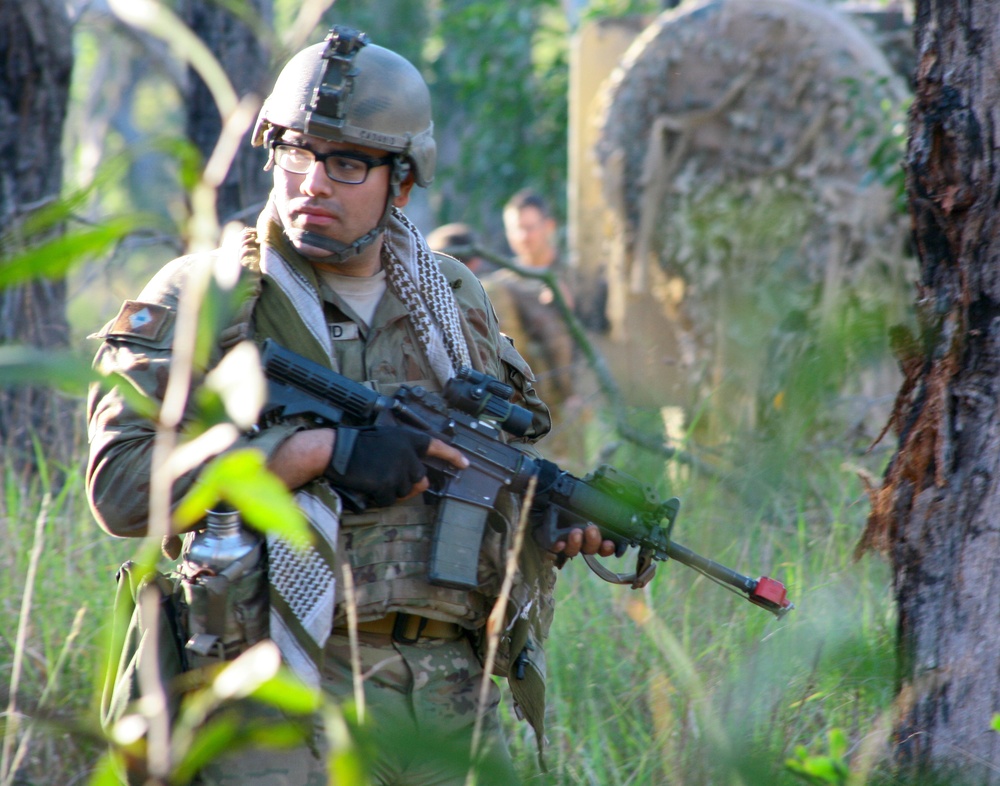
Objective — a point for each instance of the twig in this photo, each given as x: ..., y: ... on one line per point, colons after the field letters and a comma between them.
x: 351, y: 601
x: 7, y: 769
x: 494, y: 625
x: 609, y: 388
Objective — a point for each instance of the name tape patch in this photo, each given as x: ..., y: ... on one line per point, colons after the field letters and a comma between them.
x: 344, y: 331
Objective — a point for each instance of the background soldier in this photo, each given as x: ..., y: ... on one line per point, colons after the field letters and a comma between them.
x: 343, y: 278
x: 458, y: 240
x: 525, y: 306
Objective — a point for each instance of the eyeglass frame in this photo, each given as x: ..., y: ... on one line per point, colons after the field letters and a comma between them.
x: 368, y: 161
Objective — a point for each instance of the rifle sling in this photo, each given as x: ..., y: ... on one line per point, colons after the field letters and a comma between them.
x: 644, y: 571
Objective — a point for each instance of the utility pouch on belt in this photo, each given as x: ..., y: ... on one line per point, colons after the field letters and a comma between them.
x: 224, y: 589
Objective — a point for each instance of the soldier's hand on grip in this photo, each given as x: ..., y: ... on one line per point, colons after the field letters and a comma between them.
x: 563, y: 534
x: 378, y: 463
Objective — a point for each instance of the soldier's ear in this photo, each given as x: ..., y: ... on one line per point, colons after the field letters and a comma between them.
x: 404, y: 191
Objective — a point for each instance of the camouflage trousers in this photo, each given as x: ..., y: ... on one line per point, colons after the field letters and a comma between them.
x: 420, y: 709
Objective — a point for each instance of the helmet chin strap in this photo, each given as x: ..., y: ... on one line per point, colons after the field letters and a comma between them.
x: 340, y: 252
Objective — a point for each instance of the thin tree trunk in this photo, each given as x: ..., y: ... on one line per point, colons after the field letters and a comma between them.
x: 938, y: 512
x: 245, y: 59
x: 36, y: 60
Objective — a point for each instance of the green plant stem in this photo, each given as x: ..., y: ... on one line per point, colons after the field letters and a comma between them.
x: 7, y: 769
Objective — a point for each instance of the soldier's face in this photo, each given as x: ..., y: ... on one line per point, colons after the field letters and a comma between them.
x: 312, y: 202
x: 529, y: 233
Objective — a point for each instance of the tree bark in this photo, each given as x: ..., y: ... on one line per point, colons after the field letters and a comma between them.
x: 937, y: 511
x: 36, y: 61
x: 245, y: 58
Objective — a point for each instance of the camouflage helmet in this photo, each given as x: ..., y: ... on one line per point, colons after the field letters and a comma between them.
x: 457, y: 240
x: 348, y: 90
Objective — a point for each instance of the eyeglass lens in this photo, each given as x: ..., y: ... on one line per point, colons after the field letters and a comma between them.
x: 339, y: 166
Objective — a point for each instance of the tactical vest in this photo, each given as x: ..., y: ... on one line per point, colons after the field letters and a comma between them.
x: 388, y: 550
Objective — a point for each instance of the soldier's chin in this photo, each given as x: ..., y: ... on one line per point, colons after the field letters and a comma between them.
x: 312, y: 251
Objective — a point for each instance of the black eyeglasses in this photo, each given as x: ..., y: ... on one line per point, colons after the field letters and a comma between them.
x: 340, y: 165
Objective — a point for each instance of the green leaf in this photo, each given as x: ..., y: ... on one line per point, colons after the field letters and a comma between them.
x: 105, y: 772
x: 24, y: 365
x: 287, y: 693
x: 57, y: 257
x: 242, y: 479
x: 347, y: 766
x: 838, y: 744
x: 212, y: 740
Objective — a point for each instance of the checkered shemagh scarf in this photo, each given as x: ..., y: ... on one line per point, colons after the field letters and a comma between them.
x: 303, y: 582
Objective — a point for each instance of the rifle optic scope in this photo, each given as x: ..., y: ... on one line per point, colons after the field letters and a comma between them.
x: 481, y: 395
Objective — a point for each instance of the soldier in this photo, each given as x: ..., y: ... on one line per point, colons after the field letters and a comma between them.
x: 458, y: 240
x: 344, y: 278
x: 525, y: 306
x: 529, y: 316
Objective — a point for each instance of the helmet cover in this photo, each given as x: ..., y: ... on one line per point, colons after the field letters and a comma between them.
x: 348, y: 90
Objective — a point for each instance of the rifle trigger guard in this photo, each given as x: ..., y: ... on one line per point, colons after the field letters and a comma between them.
x: 644, y: 570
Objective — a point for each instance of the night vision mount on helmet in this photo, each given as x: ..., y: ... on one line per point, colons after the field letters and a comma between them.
x: 349, y: 90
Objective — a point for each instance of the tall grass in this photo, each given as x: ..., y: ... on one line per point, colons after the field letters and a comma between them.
x: 686, y: 683
x: 57, y: 644
x: 680, y: 683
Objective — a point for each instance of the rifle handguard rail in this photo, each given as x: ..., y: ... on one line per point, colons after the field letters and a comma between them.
x: 470, y: 418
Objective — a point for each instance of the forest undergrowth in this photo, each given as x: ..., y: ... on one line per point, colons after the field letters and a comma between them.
x: 682, y: 682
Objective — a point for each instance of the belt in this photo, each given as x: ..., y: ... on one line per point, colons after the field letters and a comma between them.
x: 408, y: 628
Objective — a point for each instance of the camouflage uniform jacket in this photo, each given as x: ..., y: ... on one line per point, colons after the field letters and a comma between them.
x: 137, y: 345
x: 529, y: 317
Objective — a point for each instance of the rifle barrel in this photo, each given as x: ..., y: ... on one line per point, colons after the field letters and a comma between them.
x: 710, y: 567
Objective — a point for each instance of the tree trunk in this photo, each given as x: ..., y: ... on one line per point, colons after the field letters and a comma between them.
x: 937, y: 510
x: 245, y: 59
x: 36, y: 61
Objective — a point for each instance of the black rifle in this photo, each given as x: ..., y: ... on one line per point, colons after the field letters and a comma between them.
x: 469, y: 416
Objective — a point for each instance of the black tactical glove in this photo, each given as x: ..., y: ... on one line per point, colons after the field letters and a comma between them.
x: 376, y: 465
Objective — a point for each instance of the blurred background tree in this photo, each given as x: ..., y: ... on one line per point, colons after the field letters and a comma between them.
x: 240, y: 36
x: 36, y: 63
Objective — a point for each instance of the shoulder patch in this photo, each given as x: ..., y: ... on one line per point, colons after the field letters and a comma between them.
x: 141, y: 320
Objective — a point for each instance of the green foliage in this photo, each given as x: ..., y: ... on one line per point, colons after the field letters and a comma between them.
x: 601, y: 9
x: 20, y: 365
x: 252, y: 702
x: 829, y: 768
x: 395, y: 24
x: 682, y: 682
x: 502, y: 70
x: 685, y: 682
x: 877, y: 117
x: 49, y: 242
x: 499, y: 76
x: 60, y: 653
x: 240, y: 478
x: 57, y: 258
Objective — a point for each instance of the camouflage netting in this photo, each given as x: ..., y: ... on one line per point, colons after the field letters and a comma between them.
x: 737, y: 145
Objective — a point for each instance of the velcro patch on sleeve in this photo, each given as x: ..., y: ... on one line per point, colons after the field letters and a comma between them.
x: 147, y: 321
